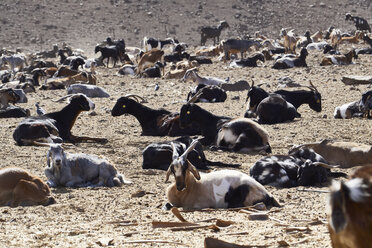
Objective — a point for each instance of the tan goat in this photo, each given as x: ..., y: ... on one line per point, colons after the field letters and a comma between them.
x: 61, y: 83
x: 353, y: 39
x: 289, y: 40
x: 18, y: 187
x: 7, y: 96
x: 148, y: 59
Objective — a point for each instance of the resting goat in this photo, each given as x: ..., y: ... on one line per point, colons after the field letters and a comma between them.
x: 344, y: 59
x: 360, y: 108
x: 195, y: 77
x: 248, y: 62
x: 237, y: 135
x: 88, y: 90
x: 151, y: 43
x: 19, y: 187
x: 14, y: 112
x: 79, y: 170
x: 345, y: 154
x: 287, y: 62
x: 54, y: 127
x: 349, y: 210
x: 303, y: 167
x: 207, y: 93
x: 7, y: 96
x: 212, y: 33
x: 154, y: 122
x: 219, y: 189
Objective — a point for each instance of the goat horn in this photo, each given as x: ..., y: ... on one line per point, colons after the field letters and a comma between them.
x: 252, y: 83
x: 63, y: 98
x: 327, y: 166
x: 195, y: 97
x: 316, y: 90
x: 175, y: 153
x: 189, y: 149
x: 135, y: 97
x: 40, y: 143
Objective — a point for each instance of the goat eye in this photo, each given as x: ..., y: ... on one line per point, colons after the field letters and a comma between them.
x: 188, y: 112
x: 123, y: 106
x: 317, y: 101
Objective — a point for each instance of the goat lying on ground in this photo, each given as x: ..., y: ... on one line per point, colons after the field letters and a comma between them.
x: 219, y: 189
x: 79, y: 170
x: 149, y: 58
x: 248, y: 62
x: 349, y: 210
x: 14, y: 112
x: 238, y: 135
x: 88, y: 90
x: 359, y: 108
x: 191, y: 73
x: 19, y: 187
x: 154, y: 122
x: 7, y: 96
x: 303, y: 167
x: 345, y: 154
x: 151, y: 43
x: 287, y: 62
x: 207, y: 93
x: 62, y: 83
x: 55, y: 127
x: 344, y: 59
x: 15, y: 61
x: 212, y: 33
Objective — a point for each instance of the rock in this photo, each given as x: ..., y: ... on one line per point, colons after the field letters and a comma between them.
x: 258, y: 216
x: 353, y: 79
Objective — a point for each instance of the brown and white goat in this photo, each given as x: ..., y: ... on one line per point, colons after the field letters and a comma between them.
x: 345, y: 154
x: 350, y: 207
x: 289, y: 40
x: 61, y: 83
x: 7, y: 96
x: 343, y: 59
x: 18, y: 187
x: 148, y: 59
x: 353, y: 39
x: 218, y: 189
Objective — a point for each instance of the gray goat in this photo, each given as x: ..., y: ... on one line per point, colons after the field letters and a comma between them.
x: 212, y: 33
x: 88, y: 90
x: 79, y: 170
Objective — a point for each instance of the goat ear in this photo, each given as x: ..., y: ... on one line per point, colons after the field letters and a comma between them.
x: 169, y: 171
x: 193, y: 170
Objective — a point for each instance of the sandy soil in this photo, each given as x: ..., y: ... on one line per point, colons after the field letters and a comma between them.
x: 94, y: 217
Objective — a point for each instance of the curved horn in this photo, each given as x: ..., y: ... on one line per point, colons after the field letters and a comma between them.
x: 135, y: 97
x: 316, y: 90
x: 63, y: 98
x: 252, y: 83
x: 327, y: 166
x: 175, y: 153
x: 195, y: 97
x: 189, y: 149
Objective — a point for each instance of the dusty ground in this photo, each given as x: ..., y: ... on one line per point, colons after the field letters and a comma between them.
x: 82, y: 217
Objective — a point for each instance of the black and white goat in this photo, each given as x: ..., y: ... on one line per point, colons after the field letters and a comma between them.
x: 248, y: 62
x: 154, y: 122
x: 154, y: 71
x: 207, y: 93
x: 304, y: 167
x: 150, y: 43
x: 359, y: 108
x: 288, y: 62
x: 55, y: 127
x: 218, y: 189
x: 237, y: 135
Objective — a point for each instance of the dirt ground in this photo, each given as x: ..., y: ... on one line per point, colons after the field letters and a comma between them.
x: 86, y: 217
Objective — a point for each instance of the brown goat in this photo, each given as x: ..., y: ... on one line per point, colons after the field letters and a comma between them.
x: 17, y: 186
x: 344, y: 59
x: 353, y: 39
x: 350, y: 218
x: 7, y: 96
x: 149, y: 58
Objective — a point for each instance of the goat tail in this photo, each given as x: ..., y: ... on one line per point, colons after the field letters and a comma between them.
x: 120, y: 180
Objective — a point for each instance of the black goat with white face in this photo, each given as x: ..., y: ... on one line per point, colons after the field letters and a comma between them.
x: 207, y: 93
x: 303, y: 167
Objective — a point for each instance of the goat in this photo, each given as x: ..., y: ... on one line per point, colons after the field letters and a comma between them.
x: 151, y: 43
x: 159, y: 155
x: 219, y: 189
x: 149, y: 58
x: 349, y: 210
x: 353, y: 39
x: 344, y: 59
x: 154, y: 122
x: 360, y: 23
x: 14, y: 112
x: 274, y: 109
x: 154, y: 71
x: 61, y: 83
x: 235, y: 46
x: 79, y: 170
x: 22, y: 96
x: 19, y: 187
x: 88, y: 90
x: 335, y: 36
x: 316, y: 45
x: 303, y: 167
x: 317, y: 36
x: 248, y: 62
x: 55, y: 127
x: 286, y: 62
x: 366, y: 104
x: 7, y: 96
x: 304, y: 41
x: 289, y: 40
x: 345, y: 154
x: 367, y: 40
x: 15, y: 61
x: 191, y: 73
x: 209, y: 32
x: 237, y: 135
x: 127, y: 69
x: 210, y: 51
x: 207, y: 93
x: 108, y: 52
x: 328, y: 49
x: 348, y: 110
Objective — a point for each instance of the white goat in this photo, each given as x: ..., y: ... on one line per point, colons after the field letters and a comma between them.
x: 220, y: 189
x: 15, y: 61
x: 88, y: 90
x: 191, y: 73
x: 79, y: 170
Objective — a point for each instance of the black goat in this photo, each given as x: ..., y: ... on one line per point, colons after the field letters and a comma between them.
x: 363, y: 51
x: 366, y: 103
x: 296, y: 98
x: 14, y: 112
x: 301, y: 168
x: 175, y: 57
x: 360, y: 23
x: 200, y: 59
x: 119, y: 44
x: 150, y: 43
x: 154, y: 71
x: 248, y: 62
x: 108, y: 52
x: 212, y: 33
x: 287, y: 62
x: 208, y: 93
x: 367, y: 39
x: 274, y: 109
x: 154, y: 122
x: 76, y: 62
x: 238, y: 135
x: 54, y: 127
x: 328, y: 49
x: 159, y: 155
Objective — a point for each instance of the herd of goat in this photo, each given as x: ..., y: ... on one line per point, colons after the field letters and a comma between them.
x: 305, y: 165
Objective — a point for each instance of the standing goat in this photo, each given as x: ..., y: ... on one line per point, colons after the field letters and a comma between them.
x: 212, y: 33
x: 350, y: 213
x: 219, y: 189
x: 79, y: 170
